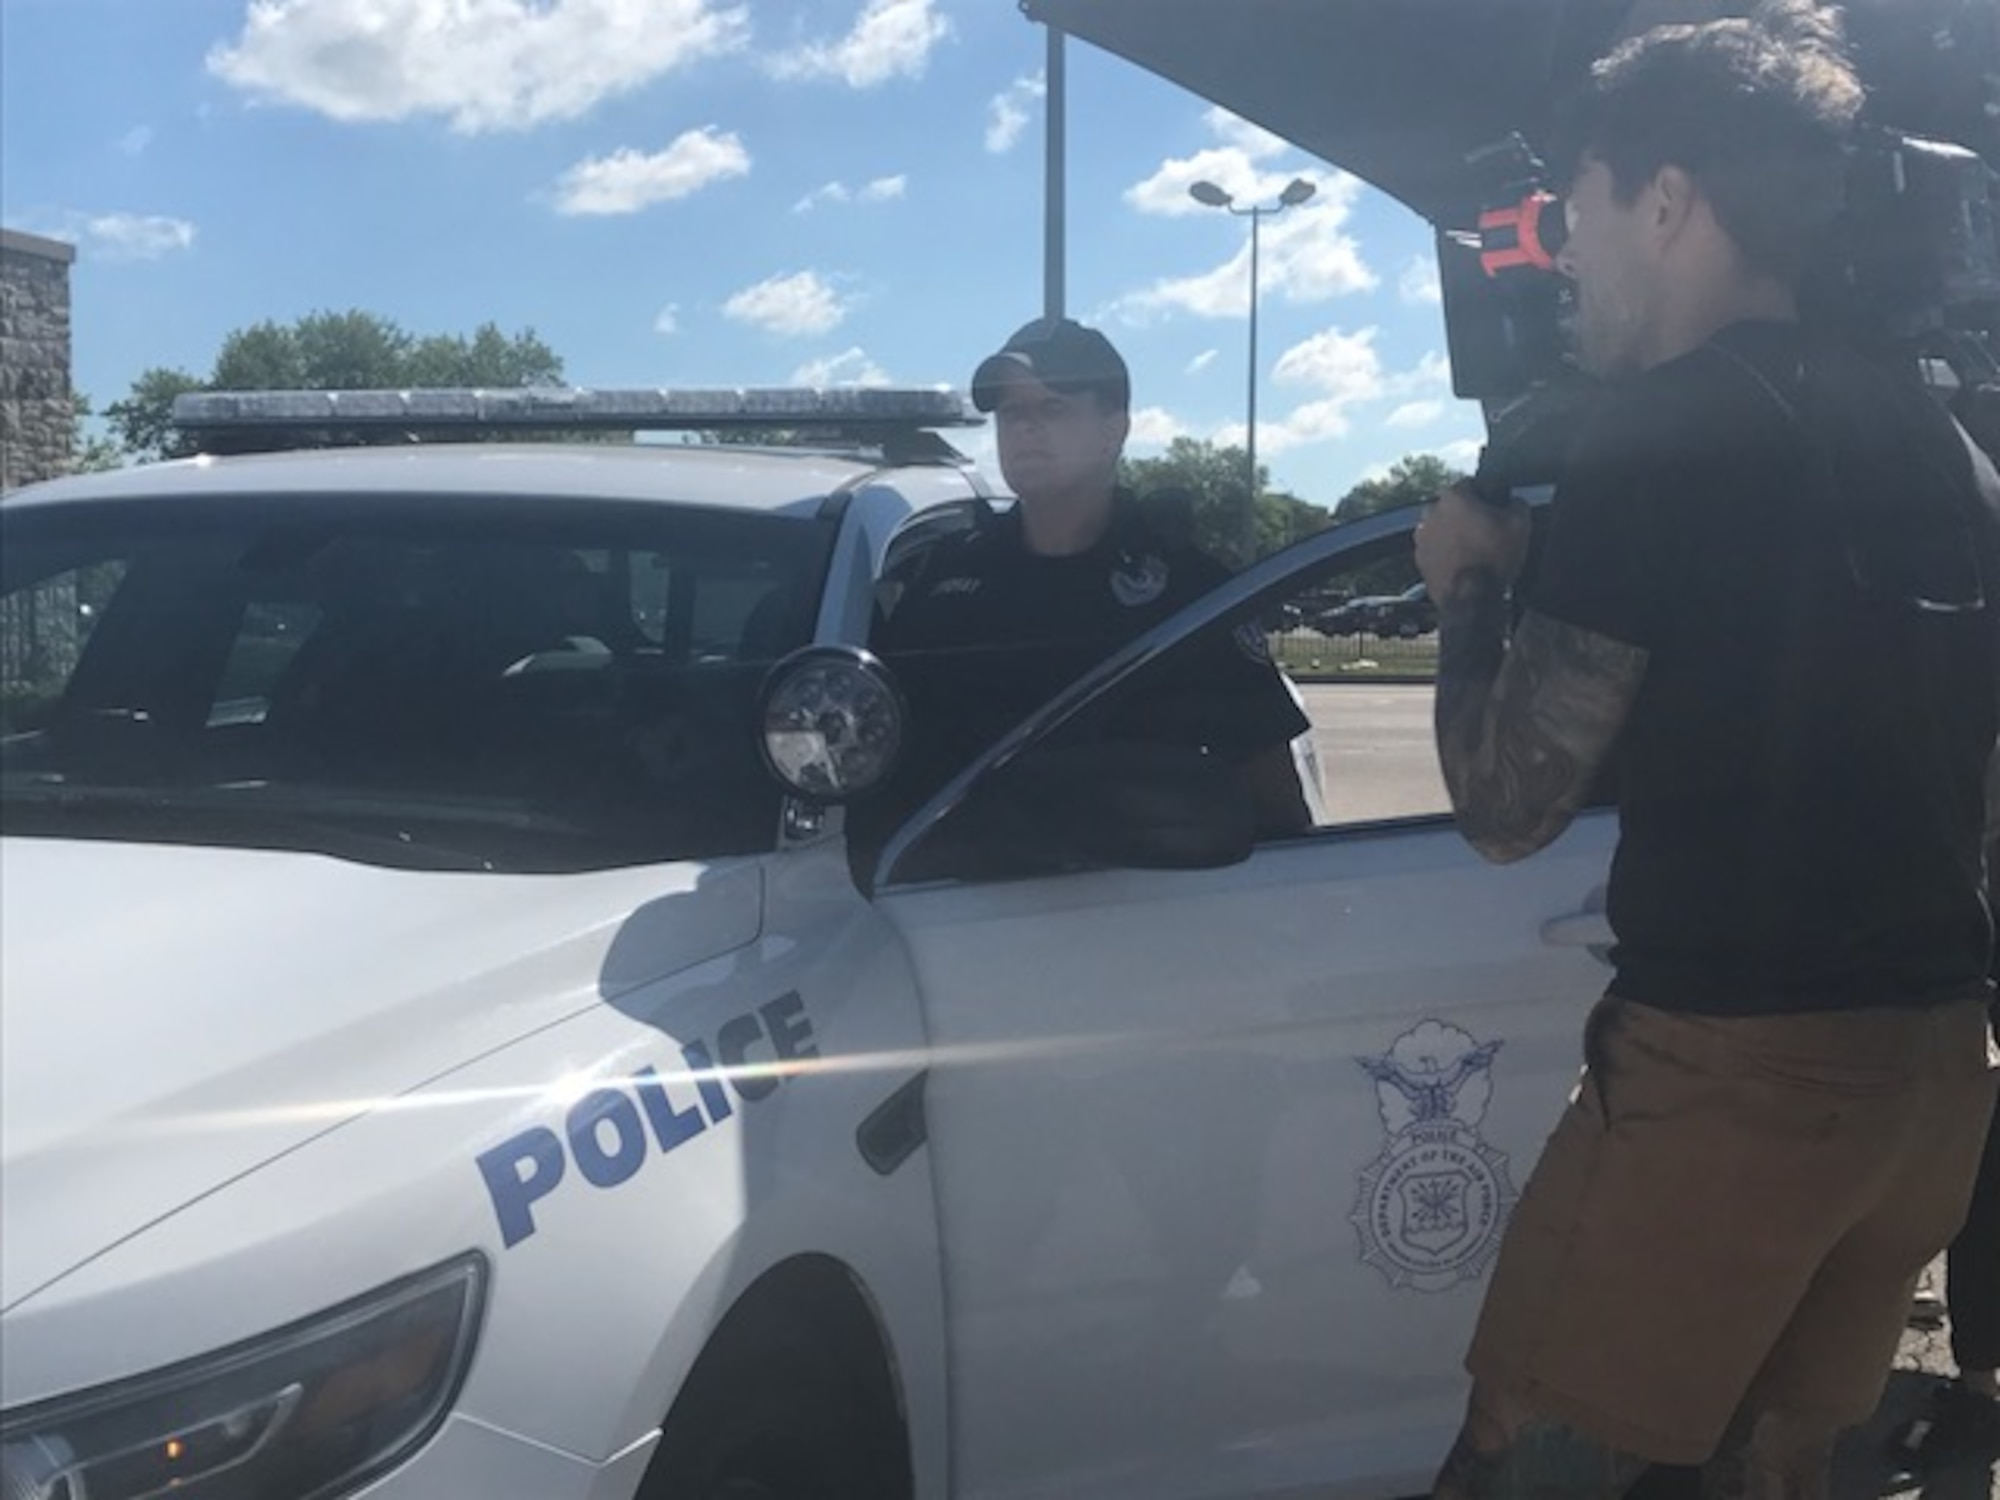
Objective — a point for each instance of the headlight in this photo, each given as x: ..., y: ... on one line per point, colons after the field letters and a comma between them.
x: 307, y: 1413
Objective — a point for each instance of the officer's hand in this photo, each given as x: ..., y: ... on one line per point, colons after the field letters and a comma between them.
x: 1462, y: 534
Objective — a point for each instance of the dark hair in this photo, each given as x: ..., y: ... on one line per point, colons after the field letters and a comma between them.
x: 1757, y: 109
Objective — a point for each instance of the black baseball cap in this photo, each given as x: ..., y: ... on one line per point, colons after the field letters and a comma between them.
x: 1063, y: 355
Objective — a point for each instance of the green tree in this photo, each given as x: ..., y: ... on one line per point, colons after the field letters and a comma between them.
x: 90, y: 453
x: 489, y: 359
x: 1207, y: 484
x: 1283, y: 519
x: 330, y: 351
x: 143, y: 423
x: 262, y: 357
x: 1411, y: 480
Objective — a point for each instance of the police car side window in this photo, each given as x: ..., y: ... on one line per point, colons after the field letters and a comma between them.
x: 1314, y: 716
x: 926, y: 529
x: 50, y: 622
x: 903, y: 559
x: 1360, y: 648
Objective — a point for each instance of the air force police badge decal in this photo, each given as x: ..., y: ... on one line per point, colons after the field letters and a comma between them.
x: 1431, y: 1207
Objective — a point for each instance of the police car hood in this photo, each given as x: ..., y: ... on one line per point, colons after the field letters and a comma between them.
x: 174, y: 1017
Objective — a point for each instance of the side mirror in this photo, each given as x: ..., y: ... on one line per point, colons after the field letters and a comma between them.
x: 832, y: 723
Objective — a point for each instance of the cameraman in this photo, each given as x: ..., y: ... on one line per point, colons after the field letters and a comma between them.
x: 1766, y: 582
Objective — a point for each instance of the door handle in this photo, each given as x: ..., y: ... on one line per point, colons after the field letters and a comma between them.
x: 1587, y: 927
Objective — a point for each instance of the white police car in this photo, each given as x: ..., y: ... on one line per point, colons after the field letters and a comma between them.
x: 451, y: 1051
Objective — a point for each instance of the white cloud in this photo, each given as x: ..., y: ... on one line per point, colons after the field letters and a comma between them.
x: 890, y: 39
x: 1431, y: 372
x: 627, y: 181
x: 1228, y: 167
x: 1007, y: 113
x: 1414, y: 414
x: 1307, y: 256
x: 1201, y: 361
x: 1155, y: 427
x: 827, y: 193
x: 793, y: 306
x: 135, y: 141
x: 1240, y: 133
x: 880, y: 190
x: 831, y: 192
x: 1463, y: 454
x: 1341, y: 364
x: 128, y: 236
x: 852, y: 367
x: 480, y: 64
x: 1310, y: 258
x: 1232, y: 166
x: 1344, y: 370
x: 668, y: 322
x: 1312, y: 422
x: 1419, y: 282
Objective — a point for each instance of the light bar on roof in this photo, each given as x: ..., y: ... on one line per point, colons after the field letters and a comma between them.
x: 545, y: 408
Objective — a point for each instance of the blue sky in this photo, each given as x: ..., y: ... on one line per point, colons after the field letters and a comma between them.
x: 696, y: 192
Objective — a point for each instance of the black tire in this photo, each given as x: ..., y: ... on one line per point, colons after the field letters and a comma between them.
x: 784, y: 1424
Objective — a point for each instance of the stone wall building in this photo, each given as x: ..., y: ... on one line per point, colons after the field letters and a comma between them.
x: 39, y: 627
x: 36, y: 408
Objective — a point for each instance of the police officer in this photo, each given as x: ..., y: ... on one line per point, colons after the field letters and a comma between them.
x: 987, y: 625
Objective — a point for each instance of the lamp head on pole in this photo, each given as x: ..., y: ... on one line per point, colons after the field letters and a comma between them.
x: 1296, y: 192
x: 1208, y: 193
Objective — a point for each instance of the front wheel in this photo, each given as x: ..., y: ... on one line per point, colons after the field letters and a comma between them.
x: 788, y: 1426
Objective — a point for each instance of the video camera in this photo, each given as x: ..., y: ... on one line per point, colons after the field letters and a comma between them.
x: 1911, y: 272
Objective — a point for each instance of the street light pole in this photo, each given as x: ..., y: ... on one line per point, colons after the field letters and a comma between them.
x: 1250, y: 434
x: 1207, y: 193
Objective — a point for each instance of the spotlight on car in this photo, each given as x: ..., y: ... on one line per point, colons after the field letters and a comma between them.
x: 832, y: 722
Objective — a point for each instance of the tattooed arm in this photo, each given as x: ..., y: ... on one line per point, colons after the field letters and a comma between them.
x: 1522, y: 725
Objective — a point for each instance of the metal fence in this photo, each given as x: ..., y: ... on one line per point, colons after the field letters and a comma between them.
x: 1309, y: 656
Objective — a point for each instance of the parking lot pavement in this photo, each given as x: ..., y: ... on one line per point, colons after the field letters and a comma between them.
x: 1862, y: 1469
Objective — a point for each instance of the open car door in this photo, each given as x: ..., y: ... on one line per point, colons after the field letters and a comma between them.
x: 1223, y: 1153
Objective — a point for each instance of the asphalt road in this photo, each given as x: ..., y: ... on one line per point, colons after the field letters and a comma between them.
x: 1862, y: 1468
x: 1377, y: 760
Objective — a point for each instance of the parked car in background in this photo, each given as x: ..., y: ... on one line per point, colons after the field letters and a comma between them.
x: 1403, y: 616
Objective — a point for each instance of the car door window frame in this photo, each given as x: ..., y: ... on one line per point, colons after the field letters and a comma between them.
x: 1240, y: 596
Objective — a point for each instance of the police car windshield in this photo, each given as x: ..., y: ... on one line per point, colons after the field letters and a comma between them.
x: 420, y: 681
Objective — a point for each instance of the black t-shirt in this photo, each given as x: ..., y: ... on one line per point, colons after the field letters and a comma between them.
x: 980, y: 632
x: 1795, y: 538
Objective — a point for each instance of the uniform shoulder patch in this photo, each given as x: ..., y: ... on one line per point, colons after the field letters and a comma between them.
x: 1139, y: 578
x: 1252, y: 642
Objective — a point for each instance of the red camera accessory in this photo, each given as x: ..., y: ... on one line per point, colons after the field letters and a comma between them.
x: 1526, y: 235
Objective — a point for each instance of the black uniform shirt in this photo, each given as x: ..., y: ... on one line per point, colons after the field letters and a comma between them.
x: 1800, y: 776
x: 981, y: 631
